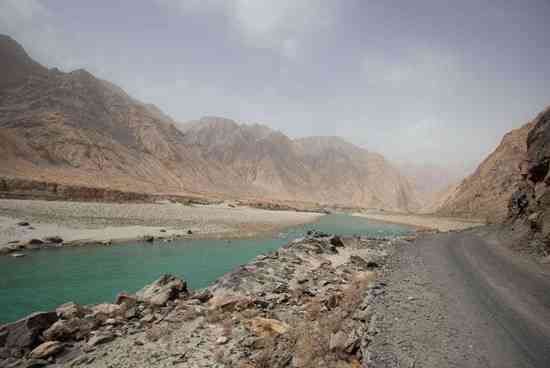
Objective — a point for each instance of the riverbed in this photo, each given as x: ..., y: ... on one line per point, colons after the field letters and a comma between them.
x: 46, y: 278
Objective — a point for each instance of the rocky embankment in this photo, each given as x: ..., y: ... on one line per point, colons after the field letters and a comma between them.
x: 306, y: 305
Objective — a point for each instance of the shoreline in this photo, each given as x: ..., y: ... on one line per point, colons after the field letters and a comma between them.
x: 275, y: 295
x: 23, y: 222
x: 423, y: 222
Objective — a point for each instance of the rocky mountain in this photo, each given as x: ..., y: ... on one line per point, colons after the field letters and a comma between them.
x: 529, y: 206
x: 485, y: 193
x: 431, y: 182
x: 76, y: 129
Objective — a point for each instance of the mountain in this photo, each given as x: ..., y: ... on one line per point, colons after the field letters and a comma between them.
x: 530, y: 205
x: 76, y: 129
x: 431, y: 182
x: 486, y: 192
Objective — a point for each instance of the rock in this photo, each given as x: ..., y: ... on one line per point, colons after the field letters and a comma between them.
x: 168, y: 287
x: 162, y: 230
x: 25, y: 333
x: 148, y: 318
x: 46, y: 350
x: 71, y: 310
x: 338, y: 341
x: 336, y: 241
x: 222, y: 340
x: 149, y: 238
x: 265, y: 327
x: 545, y: 260
x: 53, y: 239
x: 358, y: 262
x: 23, y: 223
x: 17, y: 255
x: 69, y: 330
x: 126, y: 299
x: 105, y: 311
x: 36, y: 242
x: 100, y: 339
x: 203, y: 296
x: 189, y: 232
x: 36, y: 363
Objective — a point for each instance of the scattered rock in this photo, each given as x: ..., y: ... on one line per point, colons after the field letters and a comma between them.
x: 126, y: 299
x: 168, y: 287
x: 36, y: 363
x: 203, y: 296
x: 69, y: 330
x: 71, y: 310
x: 35, y: 242
x: 545, y: 260
x: 222, y: 340
x: 17, y: 255
x: 53, y: 239
x: 265, y: 327
x: 101, y: 339
x: 189, y: 232
x: 336, y: 241
x: 149, y: 238
x: 23, y: 223
x: 105, y: 311
x: 46, y: 350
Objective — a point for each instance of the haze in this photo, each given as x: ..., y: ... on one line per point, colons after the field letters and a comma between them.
x: 424, y: 81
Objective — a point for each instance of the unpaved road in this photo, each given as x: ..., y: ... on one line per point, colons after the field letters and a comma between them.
x: 463, y: 300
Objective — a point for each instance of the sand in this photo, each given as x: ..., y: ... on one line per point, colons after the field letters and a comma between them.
x: 80, y: 222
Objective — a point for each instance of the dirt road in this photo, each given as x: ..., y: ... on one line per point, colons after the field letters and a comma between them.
x: 463, y: 300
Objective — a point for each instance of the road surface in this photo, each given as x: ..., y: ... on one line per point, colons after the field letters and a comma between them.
x: 463, y: 300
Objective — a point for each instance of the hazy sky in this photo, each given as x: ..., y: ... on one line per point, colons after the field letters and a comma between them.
x: 423, y: 80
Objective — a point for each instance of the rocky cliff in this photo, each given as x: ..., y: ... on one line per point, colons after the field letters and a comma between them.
x: 485, y: 193
x: 529, y: 207
x: 75, y: 129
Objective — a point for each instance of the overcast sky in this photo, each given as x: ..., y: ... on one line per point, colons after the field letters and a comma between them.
x: 424, y: 80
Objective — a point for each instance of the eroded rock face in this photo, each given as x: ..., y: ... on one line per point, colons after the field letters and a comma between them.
x: 25, y: 334
x: 530, y: 204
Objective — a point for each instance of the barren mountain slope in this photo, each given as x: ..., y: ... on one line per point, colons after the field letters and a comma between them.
x: 73, y: 128
x: 485, y: 193
x: 530, y: 204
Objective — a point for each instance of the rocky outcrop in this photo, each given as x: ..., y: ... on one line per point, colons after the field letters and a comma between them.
x: 307, y: 304
x: 485, y: 194
x: 529, y: 206
x: 72, y: 135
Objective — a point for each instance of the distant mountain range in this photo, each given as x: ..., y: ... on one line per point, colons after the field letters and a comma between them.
x: 74, y: 128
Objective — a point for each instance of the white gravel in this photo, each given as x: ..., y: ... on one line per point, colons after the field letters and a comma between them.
x: 88, y: 222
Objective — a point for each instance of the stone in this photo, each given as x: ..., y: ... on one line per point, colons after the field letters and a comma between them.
x: 101, y: 339
x: 336, y: 241
x: 69, y: 330
x: 25, y: 333
x: 17, y: 255
x: 189, y: 232
x: 47, y: 349
x: 148, y: 318
x: 265, y: 327
x: 203, y: 296
x: 168, y: 287
x: 36, y: 363
x: 149, y: 238
x: 23, y: 223
x: 36, y: 242
x: 545, y: 260
x: 53, y: 239
x: 71, y: 310
x: 105, y: 311
x: 358, y: 262
x: 126, y: 299
x: 222, y: 340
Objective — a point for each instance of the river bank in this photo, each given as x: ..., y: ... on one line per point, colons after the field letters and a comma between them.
x: 307, y: 304
x: 60, y: 223
x: 428, y: 222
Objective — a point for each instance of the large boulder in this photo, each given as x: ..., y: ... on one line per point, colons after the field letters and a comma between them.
x: 25, y: 333
x: 105, y: 311
x: 69, y: 330
x: 168, y: 287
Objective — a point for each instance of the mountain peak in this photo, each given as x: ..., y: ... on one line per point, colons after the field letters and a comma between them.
x: 15, y: 64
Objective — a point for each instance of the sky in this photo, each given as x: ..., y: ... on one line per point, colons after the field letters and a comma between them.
x: 418, y: 81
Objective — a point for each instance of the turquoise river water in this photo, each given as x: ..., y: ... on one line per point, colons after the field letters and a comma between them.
x: 47, y: 278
